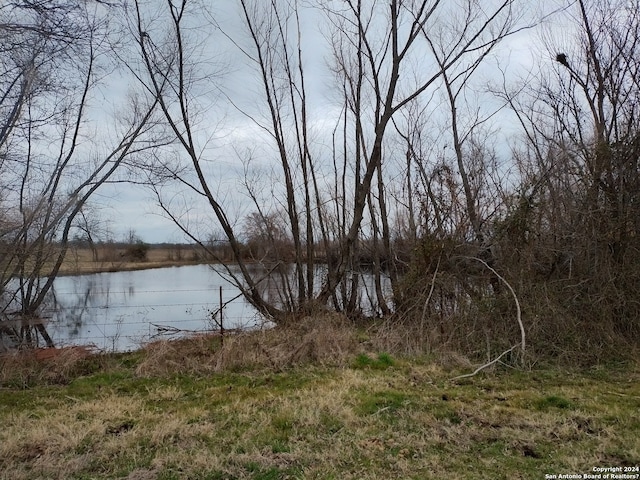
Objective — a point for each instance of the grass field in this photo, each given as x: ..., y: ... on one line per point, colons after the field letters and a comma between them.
x: 176, y: 411
x: 114, y: 259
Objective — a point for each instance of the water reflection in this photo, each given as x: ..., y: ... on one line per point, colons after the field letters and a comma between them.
x: 278, y: 286
x: 121, y: 310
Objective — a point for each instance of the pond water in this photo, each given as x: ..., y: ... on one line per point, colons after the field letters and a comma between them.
x: 119, y: 311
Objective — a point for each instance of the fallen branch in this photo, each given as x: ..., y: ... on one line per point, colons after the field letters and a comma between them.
x: 515, y: 299
x: 518, y: 317
x: 482, y: 367
x: 170, y: 329
x: 426, y: 302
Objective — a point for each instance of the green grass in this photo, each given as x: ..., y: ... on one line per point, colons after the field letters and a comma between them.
x: 381, y: 362
x: 378, y: 418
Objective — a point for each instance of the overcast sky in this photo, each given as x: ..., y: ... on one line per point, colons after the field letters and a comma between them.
x: 232, y: 136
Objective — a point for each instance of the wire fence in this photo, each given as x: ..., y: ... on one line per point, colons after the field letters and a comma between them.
x: 125, y: 319
x: 119, y: 311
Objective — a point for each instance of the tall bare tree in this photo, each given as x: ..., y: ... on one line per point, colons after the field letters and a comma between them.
x: 573, y: 223
x: 52, y: 56
x: 375, y: 48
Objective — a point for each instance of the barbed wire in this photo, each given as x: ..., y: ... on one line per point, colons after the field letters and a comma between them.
x: 128, y: 326
x: 136, y: 292
x: 117, y: 305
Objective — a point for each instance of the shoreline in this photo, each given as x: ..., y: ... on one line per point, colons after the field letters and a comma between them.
x: 80, y: 261
x: 112, y: 267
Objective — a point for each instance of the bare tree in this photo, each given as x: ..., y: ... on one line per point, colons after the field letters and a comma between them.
x: 374, y: 49
x: 373, y: 59
x: 91, y: 229
x: 569, y: 234
x: 52, y: 54
x: 169, y: 74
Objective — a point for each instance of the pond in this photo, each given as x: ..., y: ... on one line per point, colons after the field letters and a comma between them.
x: 120, y: 311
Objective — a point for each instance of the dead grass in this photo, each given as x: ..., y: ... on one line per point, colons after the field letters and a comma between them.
x: 328, y: 339
x: 324, y: 340
x: 80, y: 260
x: 26, y: 368
x: 320, y: 399
x: 407, y: 421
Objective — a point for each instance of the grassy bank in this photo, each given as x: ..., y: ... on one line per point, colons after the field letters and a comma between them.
x: 114, y: 259
x: 195, y: 409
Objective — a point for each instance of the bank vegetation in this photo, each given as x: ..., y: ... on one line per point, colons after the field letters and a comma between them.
x: 319, y: 399
x: 495, y: 207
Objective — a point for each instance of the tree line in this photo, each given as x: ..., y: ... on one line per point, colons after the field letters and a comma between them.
x: 495, y: 210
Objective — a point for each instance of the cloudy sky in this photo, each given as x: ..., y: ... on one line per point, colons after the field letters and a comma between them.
x: 229, y: 138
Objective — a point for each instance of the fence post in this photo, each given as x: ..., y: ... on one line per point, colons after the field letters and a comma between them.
x: 221, y: 316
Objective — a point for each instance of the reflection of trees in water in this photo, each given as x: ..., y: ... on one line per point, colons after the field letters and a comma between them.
x: 72, y: 315
x: 77, y: 305
x: 72, y: 308
x: 97, y: 304
x: 275, y: 283
x: 357, y: 292
x: 357, y: 289
x: 18, y: 328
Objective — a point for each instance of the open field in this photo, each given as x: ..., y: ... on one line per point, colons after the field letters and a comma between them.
x: 247, y: 409
x: 114, y: 259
